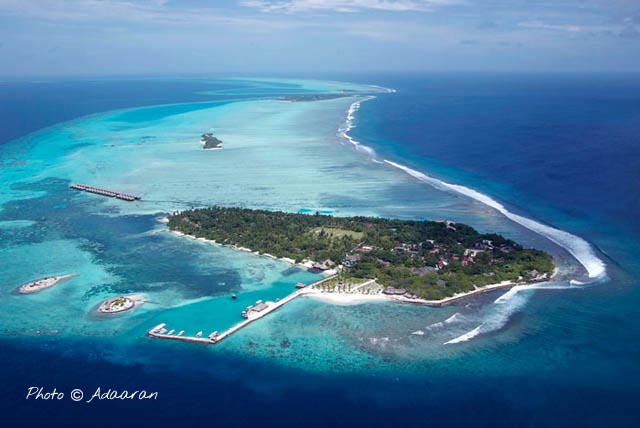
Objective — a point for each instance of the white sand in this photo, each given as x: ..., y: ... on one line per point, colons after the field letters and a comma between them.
x: 347, y: 299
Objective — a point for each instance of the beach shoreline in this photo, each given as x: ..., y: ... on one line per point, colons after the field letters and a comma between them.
x: 306, y: 265
x: 341, y: 298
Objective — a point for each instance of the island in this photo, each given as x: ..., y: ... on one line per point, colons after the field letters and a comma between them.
x: 413, y: 259
x: 43, y: 283
x: 209, y: 142
x: 120, y: 303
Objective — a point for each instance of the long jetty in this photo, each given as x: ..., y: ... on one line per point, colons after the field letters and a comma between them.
x: 105, y: 192
x: 160, y: 331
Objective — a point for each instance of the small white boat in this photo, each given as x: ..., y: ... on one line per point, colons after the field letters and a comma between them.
x: 199, y: 334
x: 181, y: 333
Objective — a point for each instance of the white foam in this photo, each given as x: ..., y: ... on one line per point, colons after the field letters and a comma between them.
x: 467, y: 336
x: 576, y: 246
x: 434, y: 325
x: 454, y: 318
x: 349, y: 125
x: 518, y: 288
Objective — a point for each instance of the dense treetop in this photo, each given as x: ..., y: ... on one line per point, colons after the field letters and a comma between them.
x: 427, y: 258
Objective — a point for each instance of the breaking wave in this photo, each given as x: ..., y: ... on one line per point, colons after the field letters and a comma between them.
x: 349, y: 125
x: 580, y: 249
x: 467, y: 336
x: 512, y: 301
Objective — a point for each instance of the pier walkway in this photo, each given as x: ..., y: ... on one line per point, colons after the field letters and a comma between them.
x: 160, y: 332
x: 105, y: 192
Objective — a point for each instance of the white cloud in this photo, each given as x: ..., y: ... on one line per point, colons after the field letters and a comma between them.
x: 568, y: 28
x: 108, y: 12
x: 295, y: 6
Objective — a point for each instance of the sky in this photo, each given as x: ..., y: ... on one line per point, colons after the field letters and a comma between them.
x: 129, y: 37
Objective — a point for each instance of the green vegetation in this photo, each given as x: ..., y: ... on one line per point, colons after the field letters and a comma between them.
x: 334, y: 232
x: 210, y: 142
x: 429, y: 259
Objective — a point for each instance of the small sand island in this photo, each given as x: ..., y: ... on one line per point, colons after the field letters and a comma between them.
x: 120, y: 303
x: 209, y: 142
x: 43, y: 283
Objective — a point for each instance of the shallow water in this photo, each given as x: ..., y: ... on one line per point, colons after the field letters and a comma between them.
x: 277, y: 155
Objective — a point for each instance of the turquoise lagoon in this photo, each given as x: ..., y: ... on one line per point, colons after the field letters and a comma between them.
x: 277, y: 154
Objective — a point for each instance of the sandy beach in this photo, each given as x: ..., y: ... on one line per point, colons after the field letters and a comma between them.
x: 341, y: 298
x: 43, y: 283
x: 346, y: 299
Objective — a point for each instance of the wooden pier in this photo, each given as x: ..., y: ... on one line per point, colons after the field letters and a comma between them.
x: 105, y: 192
x: 160, y: 332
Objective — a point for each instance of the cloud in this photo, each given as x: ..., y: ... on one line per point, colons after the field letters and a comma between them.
x: 627, y: 29
x: 567, y: 28
x: 297, y: 6
x: 109, y: 12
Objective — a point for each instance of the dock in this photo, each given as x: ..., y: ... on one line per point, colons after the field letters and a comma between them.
x: 254, y: 313
x: 105, y: 192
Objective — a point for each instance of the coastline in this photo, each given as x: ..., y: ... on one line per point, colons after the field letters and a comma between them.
x: 302, y: 265
x: 340, y: 298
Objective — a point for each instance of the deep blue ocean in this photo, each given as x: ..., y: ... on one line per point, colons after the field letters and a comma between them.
x: 562, y: 148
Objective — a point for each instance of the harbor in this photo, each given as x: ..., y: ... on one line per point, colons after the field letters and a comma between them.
x: 105, y: 192
x: 251, y: 314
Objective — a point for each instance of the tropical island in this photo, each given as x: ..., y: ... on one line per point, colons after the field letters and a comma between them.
x: 120, y: 303
x: 416, y: 259
x: 209, y: 142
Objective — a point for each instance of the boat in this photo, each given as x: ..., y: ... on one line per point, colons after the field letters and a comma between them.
x: 244, y: 314
x: 199, y: 334
x: 171, y: 331
x: 233, y: 295
x: 181, y: 333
